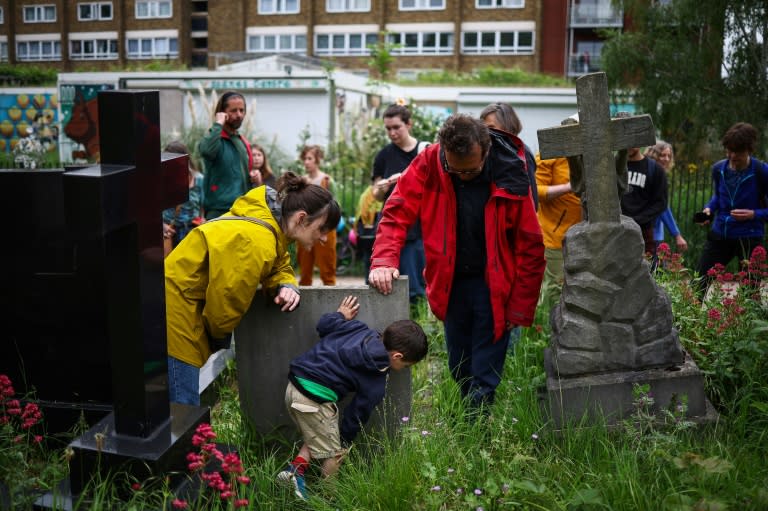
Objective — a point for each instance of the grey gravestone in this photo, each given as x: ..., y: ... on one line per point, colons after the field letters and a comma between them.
x: 267, y: 339
x: 613, y: 325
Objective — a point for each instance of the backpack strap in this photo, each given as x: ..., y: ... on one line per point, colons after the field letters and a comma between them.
x: 253, y: 220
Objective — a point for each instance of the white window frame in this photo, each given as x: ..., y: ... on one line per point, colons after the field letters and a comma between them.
x: 96, y: 11
x: 3, y: 51
x: 37, y: 13
x: 419, y: 48
x: 46, y: 48
x: 499, y: 4
x: 283, y: 43
x: 152, y: 38
x: 278, y: 7
x: 345, y: 48
x: 153, y: 8
x: 420, y: 5
x: 497, y: 48
x: 2, y: 17
x: 348, y: 5
x: 103, y: 46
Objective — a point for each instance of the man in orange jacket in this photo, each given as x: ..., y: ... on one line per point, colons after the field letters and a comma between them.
x: 482, y: 241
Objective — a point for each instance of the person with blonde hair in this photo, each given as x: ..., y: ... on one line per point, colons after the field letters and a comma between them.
x: 662, y: 153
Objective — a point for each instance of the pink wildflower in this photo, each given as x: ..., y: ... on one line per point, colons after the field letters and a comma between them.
x: 179, y: 504
x: 241, y: 503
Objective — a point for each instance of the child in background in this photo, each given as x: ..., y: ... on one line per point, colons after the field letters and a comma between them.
x: 350, y: 357
x: 178, y: 221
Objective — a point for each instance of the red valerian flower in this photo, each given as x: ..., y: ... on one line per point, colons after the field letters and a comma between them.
x: 179, y: 504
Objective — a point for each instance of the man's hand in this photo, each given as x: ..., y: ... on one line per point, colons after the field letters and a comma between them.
x: 742, y: 215
x: 381, y: 279
x: 288, y: 298
x: 349, y: 307
x: 221, y: 118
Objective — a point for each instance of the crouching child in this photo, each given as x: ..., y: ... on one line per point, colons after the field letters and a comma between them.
x: 350, y: 357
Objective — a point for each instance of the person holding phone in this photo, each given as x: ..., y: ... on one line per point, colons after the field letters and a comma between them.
x: 738, y: 208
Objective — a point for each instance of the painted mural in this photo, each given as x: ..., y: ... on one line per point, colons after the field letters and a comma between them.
x: 23, y: 114
x: 79, y: 139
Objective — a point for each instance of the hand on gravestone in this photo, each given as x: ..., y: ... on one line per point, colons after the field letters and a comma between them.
x: 288, y: 298
x: 381, y: 279
x: 349, y: 307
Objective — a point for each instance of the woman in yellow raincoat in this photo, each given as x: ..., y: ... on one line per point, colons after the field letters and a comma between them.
x: 212, y: 275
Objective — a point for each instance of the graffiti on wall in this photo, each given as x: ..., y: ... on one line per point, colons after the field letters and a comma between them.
x: 80, y: 121
x: 24, y: 114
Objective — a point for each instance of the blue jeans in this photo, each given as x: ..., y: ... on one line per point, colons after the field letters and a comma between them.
x: 475, y: 360
x: 183, y: 382
x: 412, y: 264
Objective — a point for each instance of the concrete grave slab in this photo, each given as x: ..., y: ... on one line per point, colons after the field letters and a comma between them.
x: 267, y: 340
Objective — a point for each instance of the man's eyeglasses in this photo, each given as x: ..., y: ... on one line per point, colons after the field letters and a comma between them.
x: 457, y: 172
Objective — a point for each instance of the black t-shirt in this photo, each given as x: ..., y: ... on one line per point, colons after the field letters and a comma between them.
x: 471, y: 198
x: 392, y: 160
x: 646, y: 196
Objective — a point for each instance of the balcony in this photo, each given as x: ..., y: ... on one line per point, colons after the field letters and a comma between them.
x: 579, y: 65
x: 601, y: 15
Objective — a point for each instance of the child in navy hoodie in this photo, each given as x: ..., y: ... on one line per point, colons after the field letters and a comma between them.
x: 350, y: 357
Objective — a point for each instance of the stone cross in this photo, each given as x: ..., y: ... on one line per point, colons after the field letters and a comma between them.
x: 595, y: 137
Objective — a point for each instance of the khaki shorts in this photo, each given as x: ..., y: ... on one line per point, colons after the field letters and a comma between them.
x: 318, y: 423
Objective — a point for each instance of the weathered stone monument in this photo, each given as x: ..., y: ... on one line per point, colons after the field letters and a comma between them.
x: 613, y: 325
x: 103, y: 247
x: 266, y: 340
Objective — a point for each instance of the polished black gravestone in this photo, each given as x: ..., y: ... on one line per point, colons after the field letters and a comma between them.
x: 106, y: 245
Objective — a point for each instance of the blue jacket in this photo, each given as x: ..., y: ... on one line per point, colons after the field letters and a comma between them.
x: 350, y: 357
x: 752, y: 183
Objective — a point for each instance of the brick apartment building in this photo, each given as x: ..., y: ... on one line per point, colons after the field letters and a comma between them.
x: 552, y: 36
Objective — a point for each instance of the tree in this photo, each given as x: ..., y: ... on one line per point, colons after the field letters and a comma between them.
x: 696, y: 67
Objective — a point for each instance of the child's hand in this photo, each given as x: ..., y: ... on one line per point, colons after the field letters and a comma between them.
x: 349, y: 307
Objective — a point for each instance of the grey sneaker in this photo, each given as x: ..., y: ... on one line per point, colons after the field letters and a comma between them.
x: 289, y: 477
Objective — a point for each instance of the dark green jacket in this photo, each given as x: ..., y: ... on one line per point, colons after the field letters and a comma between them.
x: 226, y: 170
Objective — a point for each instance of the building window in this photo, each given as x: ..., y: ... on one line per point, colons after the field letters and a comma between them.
x: 39, y: 13
x: 348, y: 5
x: 499, y: 4
x: 4, y: 52
x: 38, y: 50
x: 497, y: 43
x: 421, y: 5
x: 277, y: 43
x: 153, y: 47
x: 344, y: 44
x: 278, y: 6
x: 154, y: 9
x: 2, y: 18
x: 94, y: 11
x: 93, y: 49
x: 422, y: 43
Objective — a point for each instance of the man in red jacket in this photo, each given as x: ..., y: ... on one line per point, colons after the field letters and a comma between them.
x: 482, y: 241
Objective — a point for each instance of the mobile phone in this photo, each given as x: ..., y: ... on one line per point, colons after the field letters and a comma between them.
x: 701, y: 217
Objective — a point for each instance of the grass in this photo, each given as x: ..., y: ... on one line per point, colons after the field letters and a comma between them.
x: 440, y: 460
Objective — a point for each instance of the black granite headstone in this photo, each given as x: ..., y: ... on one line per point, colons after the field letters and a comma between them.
x: 83, y: 288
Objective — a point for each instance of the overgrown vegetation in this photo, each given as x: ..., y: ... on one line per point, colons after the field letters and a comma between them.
x: 489, y: 77
x: 696, y: 68
x: 441, y: 460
